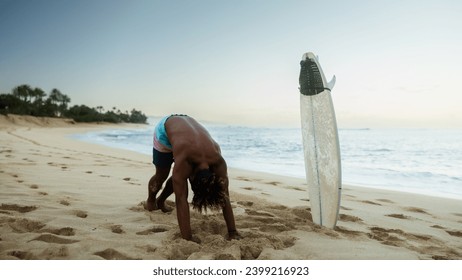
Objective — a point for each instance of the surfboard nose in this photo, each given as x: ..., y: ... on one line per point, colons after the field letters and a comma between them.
x: 308, y: 55
x: 311, y: 80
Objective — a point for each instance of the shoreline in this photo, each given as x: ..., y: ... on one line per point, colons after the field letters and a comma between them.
x: 68, y: 199
x: 409, y: 190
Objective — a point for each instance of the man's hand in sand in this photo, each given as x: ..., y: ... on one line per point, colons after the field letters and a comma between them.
x: 234, y: 235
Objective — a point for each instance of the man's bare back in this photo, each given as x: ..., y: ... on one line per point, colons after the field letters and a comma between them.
x: 192, y: 142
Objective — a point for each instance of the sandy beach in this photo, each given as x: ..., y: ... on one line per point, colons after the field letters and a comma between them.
x: 65, y: 199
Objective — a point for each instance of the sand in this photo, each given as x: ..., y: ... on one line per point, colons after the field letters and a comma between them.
x: 65, y: 199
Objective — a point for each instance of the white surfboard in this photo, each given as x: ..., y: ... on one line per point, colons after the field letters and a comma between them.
x: 320, y: 142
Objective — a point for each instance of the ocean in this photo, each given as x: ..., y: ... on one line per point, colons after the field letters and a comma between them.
x: 424, y: 161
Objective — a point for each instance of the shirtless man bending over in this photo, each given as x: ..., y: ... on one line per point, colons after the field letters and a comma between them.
x: 197, y: 159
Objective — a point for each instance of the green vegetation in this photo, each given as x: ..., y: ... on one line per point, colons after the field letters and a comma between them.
x: 25, y: 100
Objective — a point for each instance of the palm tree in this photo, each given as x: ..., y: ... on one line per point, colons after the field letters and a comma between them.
x: 60, y: 101
x: 38, y: 94
x: 100, y: 109
x: 23, y: 92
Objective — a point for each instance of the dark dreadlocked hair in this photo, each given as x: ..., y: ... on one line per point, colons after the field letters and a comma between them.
x: 208, y: 191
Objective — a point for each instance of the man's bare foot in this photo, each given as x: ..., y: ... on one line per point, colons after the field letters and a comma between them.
x: 151, y: 202
x: 163, y: 207
x: 150, y: 206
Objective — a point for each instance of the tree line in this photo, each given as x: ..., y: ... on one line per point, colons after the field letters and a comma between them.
x: 26, y: 100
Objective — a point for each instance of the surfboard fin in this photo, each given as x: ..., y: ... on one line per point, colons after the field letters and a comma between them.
x: 331, y: 84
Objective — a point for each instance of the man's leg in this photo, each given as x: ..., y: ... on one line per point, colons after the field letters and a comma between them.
x: 155, y: 185
x: 168, y: 190
x: 163, y: 163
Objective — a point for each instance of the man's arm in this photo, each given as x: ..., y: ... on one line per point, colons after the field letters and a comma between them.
x: 181, y: 171
x: 228, y: 215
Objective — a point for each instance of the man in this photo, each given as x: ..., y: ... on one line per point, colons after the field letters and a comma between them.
x: 198, y: 158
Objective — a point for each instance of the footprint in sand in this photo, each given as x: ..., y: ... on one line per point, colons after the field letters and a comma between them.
x: 243, y: 179
x: 457, y: 233
x: 117, y: 229
x: 278, y: 207
x: 385, y: 200
x: 65, y: 231
x: 25, y: 225
x: 253, y: 244
x: 416, y: 210
x: 438, y: 227
x: 258, y: 213
x: 395, y: 237
x: 61, y: 165
x: 54, y: 252
x: 50, y: 238
x: 155, y: 229
x: 245, y: 203
x: 273, y: 183
x: 295, y: 188
x: 64, y: 202
x: 149, y: 248
x: 111, y: 254
x: 386, y: 236
x: 440, y: 258
x: 398, y: 216
x: 34, y: 186
x: 303, y: 213
x: 17, y: 208
x: 139, y: 207
x: 349, y: 218
x: 348, y: 232
x: 130, y: 181
x: 371, y: 202
x: 67, y: 157
x: 81, y: 214
x: 22, y: 255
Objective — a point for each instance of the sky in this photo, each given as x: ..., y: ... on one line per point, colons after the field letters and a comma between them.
x: 397, y: 63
